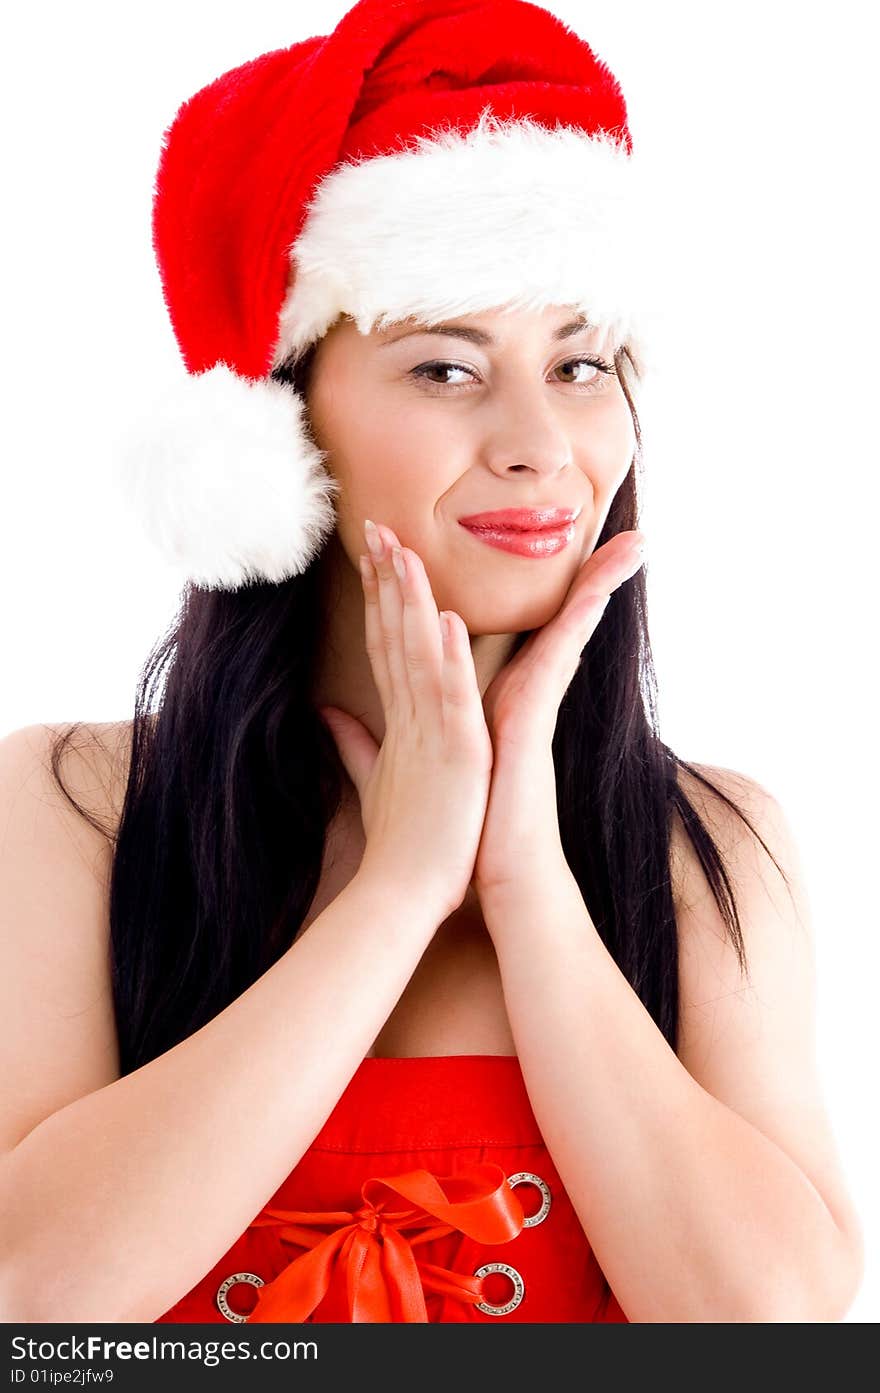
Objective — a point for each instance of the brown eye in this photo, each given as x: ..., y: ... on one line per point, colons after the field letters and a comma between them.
x: 424, y: 368
x: 442, y: 366
x: 603, y: 369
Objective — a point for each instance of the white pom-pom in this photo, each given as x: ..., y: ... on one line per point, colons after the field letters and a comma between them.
x: 227, y: 482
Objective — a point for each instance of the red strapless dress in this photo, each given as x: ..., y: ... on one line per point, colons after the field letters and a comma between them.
x: 428, y: 1195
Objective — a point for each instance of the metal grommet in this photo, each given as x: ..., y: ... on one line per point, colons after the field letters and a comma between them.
x: 519, y: 1288
x: 223, y: 1305
x: 529, y: 1178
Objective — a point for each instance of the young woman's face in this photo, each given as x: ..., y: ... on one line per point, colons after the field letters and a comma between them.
x: 424, y: 428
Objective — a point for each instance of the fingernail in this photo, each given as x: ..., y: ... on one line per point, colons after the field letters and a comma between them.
x: 374, y: 541
x: 399, y: 562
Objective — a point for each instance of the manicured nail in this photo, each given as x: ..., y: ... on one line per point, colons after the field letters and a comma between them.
x: 398, y: 560
x: 374, y: 541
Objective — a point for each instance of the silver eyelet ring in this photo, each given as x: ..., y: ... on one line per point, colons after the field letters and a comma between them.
x: 529, y: 1178
x: 223, y: 1305
x: 519, y: 1288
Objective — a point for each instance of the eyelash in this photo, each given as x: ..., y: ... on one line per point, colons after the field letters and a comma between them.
x: 606, y: 369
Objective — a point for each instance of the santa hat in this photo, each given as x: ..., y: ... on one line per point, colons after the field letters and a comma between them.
x: 429, y: 158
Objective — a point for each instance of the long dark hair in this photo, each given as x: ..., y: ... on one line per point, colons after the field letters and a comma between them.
x: 233, y: 780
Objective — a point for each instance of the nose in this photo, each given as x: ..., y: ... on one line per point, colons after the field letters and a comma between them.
x: 527, y: 435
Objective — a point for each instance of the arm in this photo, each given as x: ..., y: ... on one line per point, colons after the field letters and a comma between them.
x: 707, y: 1184
x: 118, y: 1201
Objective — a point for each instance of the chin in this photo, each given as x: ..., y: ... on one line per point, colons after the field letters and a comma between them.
x: 484, y: 621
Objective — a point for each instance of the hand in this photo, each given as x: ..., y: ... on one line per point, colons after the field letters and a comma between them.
x: 522, y: 701
x: 423, y: 794
x: 521, y: 831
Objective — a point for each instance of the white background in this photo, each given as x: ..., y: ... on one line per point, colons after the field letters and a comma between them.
x: 760, y: 439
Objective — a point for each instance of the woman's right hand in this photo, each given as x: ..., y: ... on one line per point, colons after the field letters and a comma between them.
x: 424, y: 791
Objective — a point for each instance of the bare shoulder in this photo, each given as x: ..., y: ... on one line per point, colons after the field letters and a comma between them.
x: 92, y: 762
x: 762, y: 864
x: 748, y: 1035
x: 59, y: 1039
x: 67, y: 782
x: 710, y: 790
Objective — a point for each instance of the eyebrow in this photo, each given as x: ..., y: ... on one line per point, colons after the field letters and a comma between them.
x: 480, y: 337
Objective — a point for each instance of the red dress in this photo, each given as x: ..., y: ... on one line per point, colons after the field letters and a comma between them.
x: 428, y: 1195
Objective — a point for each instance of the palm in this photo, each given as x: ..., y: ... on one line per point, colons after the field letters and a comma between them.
x: 523, y: 699
x: 506, y: 701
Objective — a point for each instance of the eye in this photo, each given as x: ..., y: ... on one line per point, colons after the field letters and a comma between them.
x: 424, y: 368
x: 602, y: 370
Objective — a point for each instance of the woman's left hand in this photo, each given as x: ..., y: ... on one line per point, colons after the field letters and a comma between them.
x: 521, y: 706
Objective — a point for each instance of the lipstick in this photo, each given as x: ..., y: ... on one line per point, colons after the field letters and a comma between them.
x: 535, y: 532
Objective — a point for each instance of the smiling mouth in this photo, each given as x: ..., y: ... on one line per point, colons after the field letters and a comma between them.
x: 529, y: 520
x: 536, y: 542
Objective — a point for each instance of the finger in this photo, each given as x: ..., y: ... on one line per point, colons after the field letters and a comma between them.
x: 422, y: 640
x: 628, y: 555
x: 610, y: 570
x: 357, y: 748
x: 552, y: 649
x: 391, y: 612
x: 462, y: 701
x: 439, y: 666
x: 582, y: 618
x: 373, y: 637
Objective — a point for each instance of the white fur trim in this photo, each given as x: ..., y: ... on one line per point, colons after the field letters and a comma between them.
x: 223, y: 473
x: 508, y: 214
x: 227, y: 482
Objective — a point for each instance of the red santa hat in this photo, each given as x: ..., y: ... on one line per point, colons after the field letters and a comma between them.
x: 428, y: 159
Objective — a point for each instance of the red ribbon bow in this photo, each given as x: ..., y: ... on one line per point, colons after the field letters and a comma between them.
x: 384, y: 1279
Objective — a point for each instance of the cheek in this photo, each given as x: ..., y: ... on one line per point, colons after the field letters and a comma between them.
x: 607, y: 449
x: 388, y: 471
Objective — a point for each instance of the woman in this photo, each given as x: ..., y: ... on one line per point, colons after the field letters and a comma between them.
x: 475, y: 1003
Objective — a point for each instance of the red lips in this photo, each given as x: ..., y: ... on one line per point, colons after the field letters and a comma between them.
x: 523, y: 519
